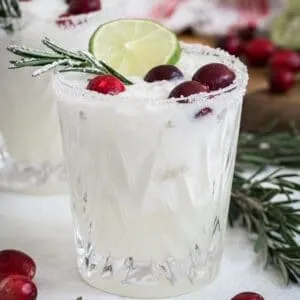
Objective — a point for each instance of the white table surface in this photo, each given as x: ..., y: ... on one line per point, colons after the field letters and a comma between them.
x: 41, y: 226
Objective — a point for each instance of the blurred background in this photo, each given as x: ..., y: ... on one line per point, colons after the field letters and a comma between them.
x: 262, y: 33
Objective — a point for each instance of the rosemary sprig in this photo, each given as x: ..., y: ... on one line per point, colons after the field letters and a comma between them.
x: 62, y: 59
x: 10, y: 9
x: 268, y: 208
x: 267, y: 205
x: 279, y: 148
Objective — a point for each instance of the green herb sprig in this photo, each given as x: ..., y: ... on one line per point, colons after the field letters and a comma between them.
x: 270, y: 148
x: 268, y: 205
x: 9, y: 10
x: 62, y: 59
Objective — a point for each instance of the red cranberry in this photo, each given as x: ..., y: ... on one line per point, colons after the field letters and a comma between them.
x: 16, y: 262
x: 248, y: 296
x: 163, y: 72
x: 281, y: 80
x: 203, y: 112
x: 258, y: 51
x: 188, y: 88
x: 215, y: 75
x: 64, y: 20
x: 247, y: 33
x: 77, y: 7
x: 285, y: 59
x: 231, y: 44
x: 106, y: 84
x: 17, y: 287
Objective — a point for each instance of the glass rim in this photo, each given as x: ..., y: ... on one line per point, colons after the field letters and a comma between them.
x: 78, y: 19
x: 237, y: 88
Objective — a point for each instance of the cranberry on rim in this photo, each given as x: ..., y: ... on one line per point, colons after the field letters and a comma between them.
x: 188, y: 88
x: 16, y: 262
x: 77, y: 7
x: 163, y: 72
x: 17, y: 287
x: 215, y: 75
x: 65, y: 21
x: 106, y: 84
x: 247, y: 296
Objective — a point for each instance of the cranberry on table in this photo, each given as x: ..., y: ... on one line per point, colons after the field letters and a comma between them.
x: 230, y: 43
x: 17, y: 287
x: 258, y: 51
x: 163, y: 72
x: 215, y: 75
x: 106, y: 84
x: 281, y: 80
x: 77, y: 7
x: 285, y: 59
x: 247, y: 33
x: 16, y: 262
x: 248, y: 296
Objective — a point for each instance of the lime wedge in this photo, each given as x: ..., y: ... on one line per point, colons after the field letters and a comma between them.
x: 134, y: 46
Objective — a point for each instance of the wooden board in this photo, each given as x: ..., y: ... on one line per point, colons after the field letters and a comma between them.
x: 261, y: 107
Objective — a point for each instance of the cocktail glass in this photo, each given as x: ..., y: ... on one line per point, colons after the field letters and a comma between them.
x: 150, y: 180
x: 31, y: 156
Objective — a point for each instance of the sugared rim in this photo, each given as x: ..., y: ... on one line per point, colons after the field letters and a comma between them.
x: 80, y: 18
x: 238, y: 87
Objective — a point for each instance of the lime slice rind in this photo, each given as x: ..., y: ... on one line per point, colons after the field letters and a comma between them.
x: 134, y: 46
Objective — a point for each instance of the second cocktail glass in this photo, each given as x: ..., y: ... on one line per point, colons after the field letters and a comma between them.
x: 31, y: 156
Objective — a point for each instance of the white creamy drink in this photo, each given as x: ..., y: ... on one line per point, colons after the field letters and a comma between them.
x: 151, y: 177
x: 28, y: 114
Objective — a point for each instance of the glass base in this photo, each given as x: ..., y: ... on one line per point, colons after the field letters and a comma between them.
x: 44, y: 178
x: 155, y: 291
x: 150, y: 279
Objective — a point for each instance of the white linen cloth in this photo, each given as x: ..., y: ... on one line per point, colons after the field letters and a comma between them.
x: 42, y: 227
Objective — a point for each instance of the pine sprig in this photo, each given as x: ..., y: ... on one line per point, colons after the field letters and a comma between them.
x: 279, y: 148
x: 10, y: 9
x: 62, y: 59
x: 267, y: 206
